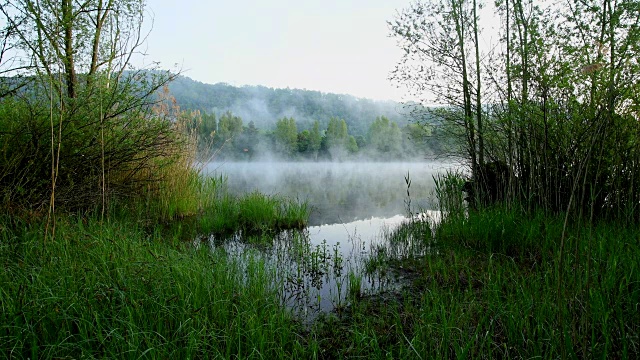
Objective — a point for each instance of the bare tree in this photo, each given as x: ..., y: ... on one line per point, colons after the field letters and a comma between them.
x: 441, y: 64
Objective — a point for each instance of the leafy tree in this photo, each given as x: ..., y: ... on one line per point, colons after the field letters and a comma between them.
x: 209, y: 125
x: 420, y: 140
x: 85, y: 39
x: 337, y: 134
x: 228, y: 137
x: 265, y: 105
x: 304, y: 141
x: 229, y: 126
x: 436, y: 65
x: 352, y: 145
x: 385, y: 137
x: 286, y: 136
x: 315, y: 139
x: 245, y: 143
x: 556, y: 114
x: 338, y: 142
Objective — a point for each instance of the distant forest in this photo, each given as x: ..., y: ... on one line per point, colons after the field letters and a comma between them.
x: 251, y: 122
x: 264, y: 105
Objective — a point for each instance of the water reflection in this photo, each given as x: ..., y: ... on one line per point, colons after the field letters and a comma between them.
x: 337, y: 192
x: 314, y: 268
x: 356, y: 224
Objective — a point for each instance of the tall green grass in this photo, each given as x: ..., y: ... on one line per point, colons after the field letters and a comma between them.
x: 490, y: 286
x: 493, y: 283
x: 112, y: 290
x: 253, y: 213
x: 204, y: 203
x: 497, y: 283
x: 448, y: 192
x: 493, y: 286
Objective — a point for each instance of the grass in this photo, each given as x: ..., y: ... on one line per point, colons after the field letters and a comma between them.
x: 253, y: 213
x: 114, y: 291
x: 132, y: 285
x: 207, y: 207
x: 183, y: 192
x: 492, y: 286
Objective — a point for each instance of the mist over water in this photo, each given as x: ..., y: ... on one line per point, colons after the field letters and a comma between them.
x: 338, y: 192
x: 354, y: 204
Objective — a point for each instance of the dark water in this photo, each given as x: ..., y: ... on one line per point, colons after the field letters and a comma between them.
x: 355, y: 206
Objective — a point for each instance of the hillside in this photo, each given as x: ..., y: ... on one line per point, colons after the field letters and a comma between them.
x: 264, y: 106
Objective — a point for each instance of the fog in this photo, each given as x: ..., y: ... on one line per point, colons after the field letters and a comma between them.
x: 338, y: 192
x: 354, y: 204
x: 264, y: 106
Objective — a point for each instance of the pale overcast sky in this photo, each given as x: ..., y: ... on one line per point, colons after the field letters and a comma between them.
x: 330, y: 45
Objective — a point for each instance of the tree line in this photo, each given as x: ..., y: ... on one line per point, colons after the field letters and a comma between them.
x: 227, y: 137
x: 264, y: 105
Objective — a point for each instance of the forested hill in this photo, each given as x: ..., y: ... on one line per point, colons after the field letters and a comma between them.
x: 264, y: 106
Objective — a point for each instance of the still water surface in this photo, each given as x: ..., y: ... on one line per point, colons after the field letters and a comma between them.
x: 353, y: 206
x: 338, y: 192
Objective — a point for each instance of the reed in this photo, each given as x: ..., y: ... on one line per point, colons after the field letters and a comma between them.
x: 253, y: 213
x: 488, y: 288
x: 448, y: 192
x: 115, y: 291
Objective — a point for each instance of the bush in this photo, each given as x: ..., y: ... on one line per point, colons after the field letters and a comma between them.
x: 103, y: 144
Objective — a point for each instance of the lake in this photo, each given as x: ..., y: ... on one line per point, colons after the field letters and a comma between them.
x: 355, y: 206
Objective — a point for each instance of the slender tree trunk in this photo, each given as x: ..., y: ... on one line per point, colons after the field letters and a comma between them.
x: 524, y: 150
x: 612, y: 59
x: 511, y: 191
x: 69, y: 65
x: 456, y: 7
x: 101, y: 16
x: 478, y: 87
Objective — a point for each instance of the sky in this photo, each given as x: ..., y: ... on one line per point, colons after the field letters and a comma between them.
x: 329, y: 45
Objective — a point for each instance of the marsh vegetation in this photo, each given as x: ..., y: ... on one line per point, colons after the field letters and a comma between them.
x: 352, y: 209
x: 116, y: 242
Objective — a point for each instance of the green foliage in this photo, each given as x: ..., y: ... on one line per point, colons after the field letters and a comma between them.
x: 385, y: 137
x: 237, y: 142
x: 286, y: 136
x: 85, y: 127
x: 352, y: 145
x: 494, y: 285
x: 421, y: 139
x: 338, y: 142
x: 110, y: 290
x: 315, y: 139
x: 449, y: 192
x: 225, y: 214
x: 265, y: 105
x: 304, y: 142
x: 103, y: 142
x: 229, y: 127
x: 337, y: 135
x: 209, y: 125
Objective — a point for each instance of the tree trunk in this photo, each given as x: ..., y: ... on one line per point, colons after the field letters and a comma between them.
x: 69, y: 65
x: 478, y: 82
x: 456, y: 7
